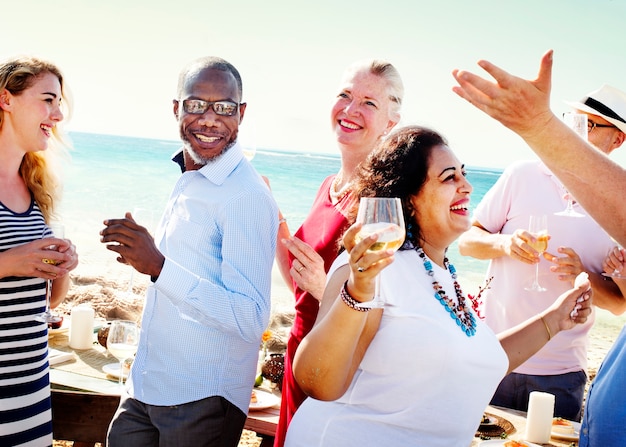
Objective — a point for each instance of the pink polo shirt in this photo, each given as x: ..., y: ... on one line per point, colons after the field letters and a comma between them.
x: 527, y: 188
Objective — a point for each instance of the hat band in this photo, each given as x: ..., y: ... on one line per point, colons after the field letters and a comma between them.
x: 604, y: 110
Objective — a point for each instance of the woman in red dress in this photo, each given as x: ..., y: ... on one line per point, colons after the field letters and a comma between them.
x: 367, y: 107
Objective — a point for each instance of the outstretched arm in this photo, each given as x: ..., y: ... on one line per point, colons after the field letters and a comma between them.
x: 571, y: 308
x: 523, y: 106
x: 481, y: 244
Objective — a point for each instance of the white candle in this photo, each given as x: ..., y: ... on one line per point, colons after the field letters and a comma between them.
x: 540, y: 414
x: 81, y: 327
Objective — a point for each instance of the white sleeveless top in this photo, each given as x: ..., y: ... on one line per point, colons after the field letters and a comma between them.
x: 422, y: 381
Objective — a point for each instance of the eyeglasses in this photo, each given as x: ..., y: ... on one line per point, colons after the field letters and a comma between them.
x: 592, y: 125
x: 199, y: 107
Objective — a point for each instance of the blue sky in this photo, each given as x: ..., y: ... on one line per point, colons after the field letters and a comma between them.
x: 122, y: 59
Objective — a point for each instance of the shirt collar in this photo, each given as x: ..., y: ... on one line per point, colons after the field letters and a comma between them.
x: 218, y: 169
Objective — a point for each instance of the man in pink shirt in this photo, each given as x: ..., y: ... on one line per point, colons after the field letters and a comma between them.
x: 499, y: 233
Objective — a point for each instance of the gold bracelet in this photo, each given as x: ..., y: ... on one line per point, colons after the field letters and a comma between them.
x: 547, y: 329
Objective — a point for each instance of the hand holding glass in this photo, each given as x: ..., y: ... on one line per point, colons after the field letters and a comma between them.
x: 382, y: 216
x: 56, y: 230
x: 538, y: 227
x: 122, y: 342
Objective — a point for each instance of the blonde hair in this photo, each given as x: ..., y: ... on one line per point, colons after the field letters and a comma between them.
x: 17, y: 75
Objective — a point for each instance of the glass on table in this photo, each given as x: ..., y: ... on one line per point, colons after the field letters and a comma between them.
x: 122, y: 342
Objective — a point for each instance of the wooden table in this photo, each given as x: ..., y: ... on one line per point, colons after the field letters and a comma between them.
x: 518, y: 419
x: 85, y: 374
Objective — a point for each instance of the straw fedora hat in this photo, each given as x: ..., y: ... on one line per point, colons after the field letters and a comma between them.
x: 607, y: 102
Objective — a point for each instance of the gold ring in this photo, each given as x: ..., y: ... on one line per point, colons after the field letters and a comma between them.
x: 48, y: 261
x: 300, y: 269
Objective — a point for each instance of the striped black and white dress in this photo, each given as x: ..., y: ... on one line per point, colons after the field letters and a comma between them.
x: 25, y: 414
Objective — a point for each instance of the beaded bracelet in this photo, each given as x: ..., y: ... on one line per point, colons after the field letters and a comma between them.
x: 351, y: 302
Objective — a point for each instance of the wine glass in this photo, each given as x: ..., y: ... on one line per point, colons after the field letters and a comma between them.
x: 616, y: 274
x: 122, y: 343
x: 145, y: 217
x: 382, y: 216
x: 578, y: 123
x: 538, y: 227
x: 55, y: 229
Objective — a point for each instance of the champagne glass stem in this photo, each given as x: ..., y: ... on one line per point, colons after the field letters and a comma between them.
x: 377, y: 302
x: 121, y: 375
x: 377, y: 288
x: 48, y: 294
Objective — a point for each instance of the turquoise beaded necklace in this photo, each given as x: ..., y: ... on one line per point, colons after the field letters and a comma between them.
x: 458, y: 311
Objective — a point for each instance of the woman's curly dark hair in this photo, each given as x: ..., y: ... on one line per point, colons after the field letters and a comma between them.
x: 398, y: 167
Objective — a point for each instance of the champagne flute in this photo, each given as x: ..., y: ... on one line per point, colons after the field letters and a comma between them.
x: 145, y: 217
x: 382, y: 216
x: 57, y: 230
x: 122, y: 342
x: 538, y: 227
x: 578, y: 123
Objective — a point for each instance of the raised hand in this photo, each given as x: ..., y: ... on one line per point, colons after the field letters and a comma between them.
x: 521, y: 105
x: 134, y: 244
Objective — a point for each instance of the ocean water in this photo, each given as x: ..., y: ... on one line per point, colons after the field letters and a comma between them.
x: 108, y: 175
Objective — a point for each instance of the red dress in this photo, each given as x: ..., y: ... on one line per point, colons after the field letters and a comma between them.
x: 322, y: 230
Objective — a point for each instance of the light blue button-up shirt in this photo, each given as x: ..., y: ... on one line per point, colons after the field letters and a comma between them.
x: 205, y: 314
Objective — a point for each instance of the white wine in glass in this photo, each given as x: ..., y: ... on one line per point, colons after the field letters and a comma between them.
x: 122, y: 342
x: 382, y: 216
x: 538, y: 227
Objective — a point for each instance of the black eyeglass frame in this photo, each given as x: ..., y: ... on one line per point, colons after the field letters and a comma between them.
x: 592, y: 125
x: 219, y: 107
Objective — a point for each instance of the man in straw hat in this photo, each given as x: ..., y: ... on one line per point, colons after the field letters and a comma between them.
x: 500, y: 233
x: 595, y: 180
x: 606, y: 114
